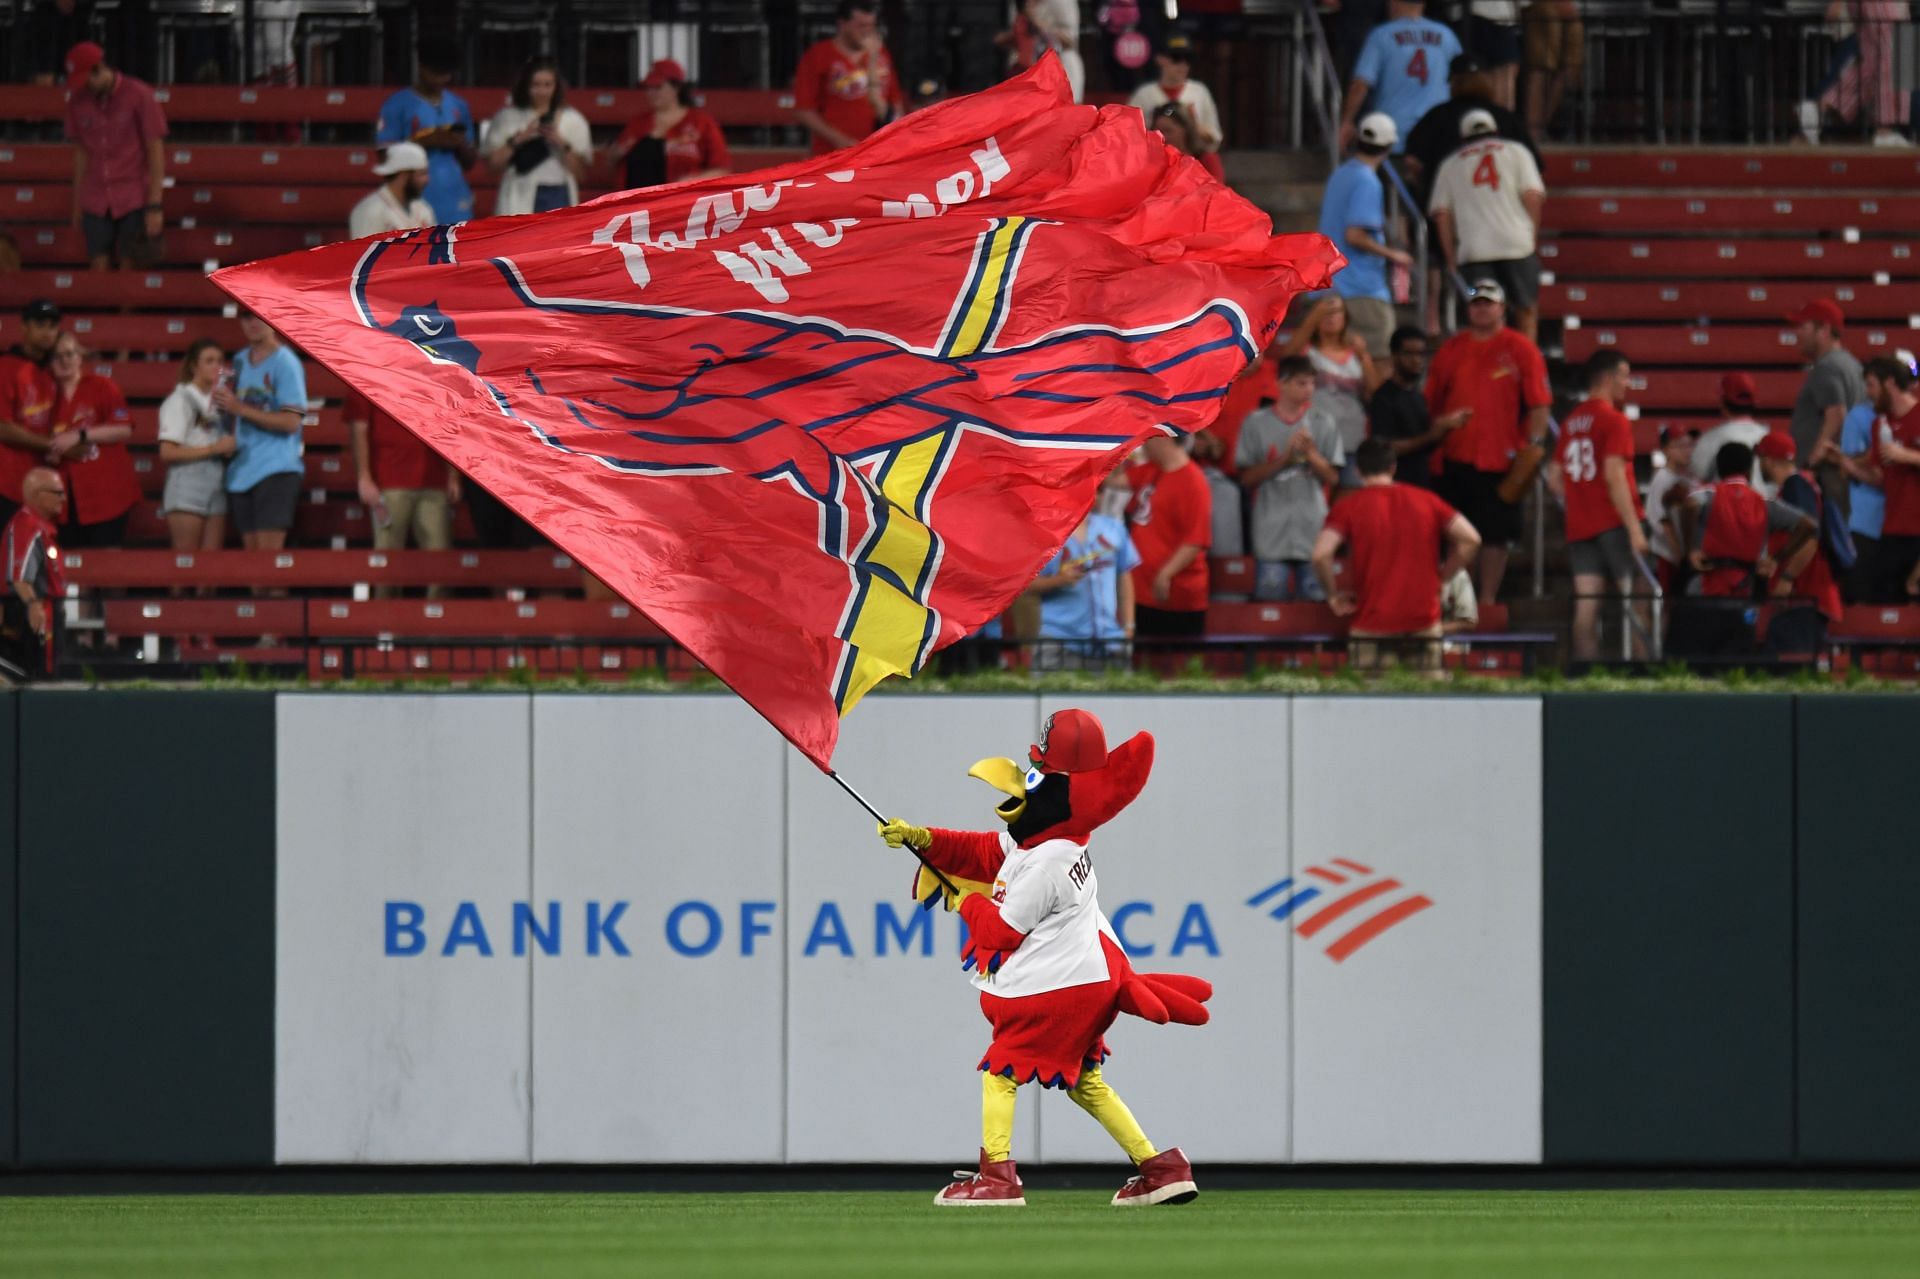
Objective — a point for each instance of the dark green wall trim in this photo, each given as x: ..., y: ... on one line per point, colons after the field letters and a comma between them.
x: 1859, y: 975
x: 1668, y: 918
x: 9, y: 869
x: 147, y: 929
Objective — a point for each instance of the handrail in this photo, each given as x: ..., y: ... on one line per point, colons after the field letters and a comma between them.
x: 1651, y: 632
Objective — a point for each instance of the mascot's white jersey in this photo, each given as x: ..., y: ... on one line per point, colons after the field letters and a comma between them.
x: 1050, y: 893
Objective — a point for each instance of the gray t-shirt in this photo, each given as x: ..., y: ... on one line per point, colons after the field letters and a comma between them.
x: 1290, y: 507
x: 1833, y: 379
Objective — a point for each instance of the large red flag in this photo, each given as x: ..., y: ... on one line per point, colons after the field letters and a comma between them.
x: 822, y: 424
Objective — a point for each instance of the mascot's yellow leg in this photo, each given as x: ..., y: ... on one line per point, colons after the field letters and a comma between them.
x: 997, y: 1095
x: 1093, y: 1095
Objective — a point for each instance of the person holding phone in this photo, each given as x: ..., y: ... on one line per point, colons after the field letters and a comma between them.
x: 433, y: 117
x: 538, y: 144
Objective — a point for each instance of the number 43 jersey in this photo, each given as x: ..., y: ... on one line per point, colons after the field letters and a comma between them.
x: 1481, y: 185
x: 1592, y: 433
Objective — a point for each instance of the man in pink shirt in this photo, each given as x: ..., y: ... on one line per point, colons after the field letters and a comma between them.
x: 119, y: 163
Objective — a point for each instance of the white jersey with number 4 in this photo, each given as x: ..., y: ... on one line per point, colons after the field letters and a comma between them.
x: 1048, y: 892
x: 1481, y: 185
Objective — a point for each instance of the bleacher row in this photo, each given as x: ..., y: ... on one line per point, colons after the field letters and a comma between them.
x: 1688, y: 262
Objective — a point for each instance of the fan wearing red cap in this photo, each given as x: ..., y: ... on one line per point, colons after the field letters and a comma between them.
x: 672, y: 140
x: 1834, y: 384
x: 1051, y: 973
x: 120, y: 178
x: 1815, y: 583
x: 1738, y: 398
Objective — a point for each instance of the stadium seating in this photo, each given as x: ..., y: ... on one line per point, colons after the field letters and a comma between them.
x: 102, y: 570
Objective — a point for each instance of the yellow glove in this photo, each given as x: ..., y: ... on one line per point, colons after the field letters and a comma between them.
x: 925, y: 885
x: 898, y: 832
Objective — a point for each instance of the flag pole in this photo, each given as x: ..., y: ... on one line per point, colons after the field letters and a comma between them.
x: 861, y: 800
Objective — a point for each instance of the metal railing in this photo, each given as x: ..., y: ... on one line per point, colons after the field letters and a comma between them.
x: 1649, y: 633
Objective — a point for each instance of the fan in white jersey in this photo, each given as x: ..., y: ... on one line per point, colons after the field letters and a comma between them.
x: 1486, y: 206
x: 1051, y: 973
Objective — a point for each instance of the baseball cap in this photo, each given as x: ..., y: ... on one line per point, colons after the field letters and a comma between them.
x: 1489, y: 290
x: 401, y: 157
x: 1379, y: 130
x: 81, y: 60
x: 665, y: 71
x: 1738, y: 390
x: 40, y: 311
x: 1476, y: 122
x: 1177, y: 47
x: 1669, y: 433
x: 1819, y: 311
x: 1775, y: 444
x: 1072, y: 741
x: 1465, y: 64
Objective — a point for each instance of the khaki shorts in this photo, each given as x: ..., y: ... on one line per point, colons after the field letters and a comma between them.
x: 1416, y: 651
x: 1372, y: 319
x: 1555, y: 39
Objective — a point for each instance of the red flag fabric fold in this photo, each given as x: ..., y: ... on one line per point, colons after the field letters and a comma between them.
x: 819, y: 421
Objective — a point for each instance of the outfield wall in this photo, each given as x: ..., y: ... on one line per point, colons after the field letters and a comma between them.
x: 514, y: 928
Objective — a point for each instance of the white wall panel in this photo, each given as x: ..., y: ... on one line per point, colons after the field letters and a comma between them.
x: 401, y: 1058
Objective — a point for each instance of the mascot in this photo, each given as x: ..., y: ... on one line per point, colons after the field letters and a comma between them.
x: 1050, y: 971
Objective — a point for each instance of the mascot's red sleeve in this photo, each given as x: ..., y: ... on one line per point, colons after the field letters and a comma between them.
x: 966, y: 854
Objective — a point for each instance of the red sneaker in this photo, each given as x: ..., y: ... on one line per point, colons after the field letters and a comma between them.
x: 1167, y: 1178
x: 996, y: 1185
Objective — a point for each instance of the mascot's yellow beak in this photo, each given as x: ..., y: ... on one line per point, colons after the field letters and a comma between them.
x: 1007, y: 777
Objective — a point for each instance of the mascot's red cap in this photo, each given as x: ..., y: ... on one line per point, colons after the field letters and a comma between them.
x: 1072, y: 741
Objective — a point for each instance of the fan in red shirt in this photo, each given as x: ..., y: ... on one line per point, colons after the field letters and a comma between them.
x: 91, y: 428
x: 1802, y: 627
x: 1172, y: 525
x: 1899, y: 549
x: 845, y: 87
x: 1500, y: 378
x: 671, y: 141
x: 1402, y: 543
x: 26, y: 399
x: 1606, y: 527
x: 29, y: 621
x: 403, y: 483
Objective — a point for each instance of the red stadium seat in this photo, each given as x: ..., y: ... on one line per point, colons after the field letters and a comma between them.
x: 155, y: 379
x: 1727, y: 167
x: 1727, y: 259
x: 1729, y: 347
x: 172, y: 291
x: 204, y: 617
x: 49, y: 246
x: 479, y: 619
x: 1877, y: 624
x: 1723, y: 301
x: 1668, y: 214
x: 1266, y: 621
x: 127, y: 570
x: 1230, y: 576
x: 1665, y: 390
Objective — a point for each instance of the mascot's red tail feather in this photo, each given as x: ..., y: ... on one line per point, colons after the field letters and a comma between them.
x: 1164, y: 997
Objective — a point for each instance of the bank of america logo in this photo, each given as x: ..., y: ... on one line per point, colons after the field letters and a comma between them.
x: 1341, y: 905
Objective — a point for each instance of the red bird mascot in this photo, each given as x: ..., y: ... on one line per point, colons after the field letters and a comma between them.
x: 1051, y: 973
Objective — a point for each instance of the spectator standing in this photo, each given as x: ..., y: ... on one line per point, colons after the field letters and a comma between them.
x: 1437, y: 135
x: 1868, y: 88
x: 538, y: 144
x: 1086, y: 599
x: 1289, y: 456
x: 403, y: 483
x: 1604, y: 520
x: 397, y: 203
x: 1555, y: 54
x: 436, y: 119
x: 1398, y: 412
x: 672, y: 140
x: 1044, y: 26
x: 195, y: 448
x: 1737, y: 426
x: 1725, y: 528
x: 845, y: 86
x: 1499, y: 378
x: 91, y: 428
x: 1257, y: 385
x: 1229, y: 533
x: 1176, y: 86
x: 1402, y: 69
x: 1402, y: 543
x: 1801, y: 627
x: 1833, y: 385
x: 1899, y: 550
x: 1353, y: 214
x: 1171, y: 519
x: 1486, y: 206
x: 1493, y: 39
x: 1670, y: 486
x: 29, y: 623
x: 1858, y: 457
x: 120, y: 160
x: 267, y: 402
x: 26, y: 399
x: 1344, y: 373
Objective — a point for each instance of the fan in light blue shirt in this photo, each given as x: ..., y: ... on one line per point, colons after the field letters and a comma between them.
x: 1089, y: 609
x: 408, y: 116
x: 1868, y: 503
x: 1403, y: 67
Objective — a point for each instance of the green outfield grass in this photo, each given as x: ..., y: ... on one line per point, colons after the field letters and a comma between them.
x: 1062, y: 1234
